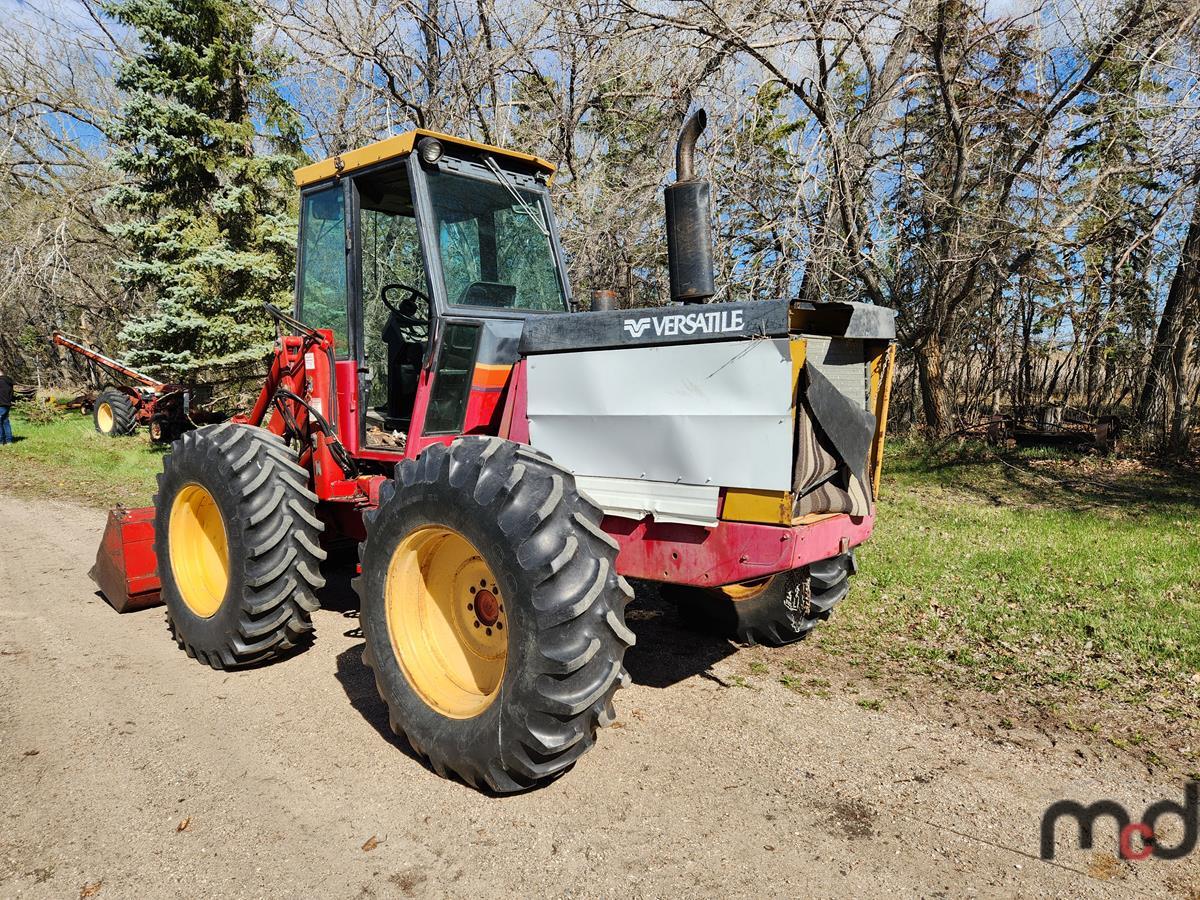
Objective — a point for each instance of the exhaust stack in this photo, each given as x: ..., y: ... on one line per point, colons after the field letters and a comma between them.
x: 689, y: 221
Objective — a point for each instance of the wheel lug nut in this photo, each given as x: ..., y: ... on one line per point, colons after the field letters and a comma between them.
x: 470, y: 606
x: 499, y: 625
x: 476, y: 623
x: 489, y: 632
x: 472, y: 589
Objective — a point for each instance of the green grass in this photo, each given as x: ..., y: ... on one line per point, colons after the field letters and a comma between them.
x: 65, y: 458
x: 1032, y: 570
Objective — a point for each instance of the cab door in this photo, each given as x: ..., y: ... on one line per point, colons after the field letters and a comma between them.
x: 323, y: 295
x: 394, y: 306
x: 322, y: 288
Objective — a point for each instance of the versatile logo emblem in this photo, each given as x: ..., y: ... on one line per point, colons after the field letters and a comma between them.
x: 715, y: 322
x: 635, y: 327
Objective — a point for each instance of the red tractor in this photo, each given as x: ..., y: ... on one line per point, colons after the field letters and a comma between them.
x: 165, y: 409
x: 504, y: 462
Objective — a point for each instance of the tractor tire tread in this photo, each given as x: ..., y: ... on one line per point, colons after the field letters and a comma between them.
x: 773, y: 618
x: 124, y: 412
x: 576, y: 598
x: 280, y: 532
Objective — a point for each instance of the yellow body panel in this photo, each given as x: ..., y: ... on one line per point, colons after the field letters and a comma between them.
x: 799, y: 351
x: 395, y: 147
x: 882, y: 369
x: 769, y: 507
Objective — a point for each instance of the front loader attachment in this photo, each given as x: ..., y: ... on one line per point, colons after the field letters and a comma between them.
x: 126, y: 569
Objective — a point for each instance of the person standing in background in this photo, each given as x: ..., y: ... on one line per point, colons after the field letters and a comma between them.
x: 6, y: 400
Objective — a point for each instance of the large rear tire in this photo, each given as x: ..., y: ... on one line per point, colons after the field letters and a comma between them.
x: 237, y: 539
x: 493, y: 614
x: 772, y: 611
x: 114, y: 413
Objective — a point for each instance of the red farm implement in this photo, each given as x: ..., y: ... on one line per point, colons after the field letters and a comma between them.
x: 504, y: 462
x: 165, y: 409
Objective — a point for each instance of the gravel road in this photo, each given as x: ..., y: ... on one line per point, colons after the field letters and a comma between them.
x: 127, y: 770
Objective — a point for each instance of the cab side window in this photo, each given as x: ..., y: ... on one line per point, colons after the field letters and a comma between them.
x: 322, y: 288
x: 452, y: 380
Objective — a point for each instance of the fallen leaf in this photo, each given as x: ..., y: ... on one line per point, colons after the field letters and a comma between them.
x: 617, y: 725
x: 90, y: 890
x: 184, y: 825
x: 1103, y: 866
x: 372, y: 843
x: 32, y: 752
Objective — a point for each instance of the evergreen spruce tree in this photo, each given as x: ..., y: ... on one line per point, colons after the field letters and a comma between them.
x: 207, y: 146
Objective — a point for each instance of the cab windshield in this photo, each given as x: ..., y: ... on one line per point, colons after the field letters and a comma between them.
x: 493, y: 241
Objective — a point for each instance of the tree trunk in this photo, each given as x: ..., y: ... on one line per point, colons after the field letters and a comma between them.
x: 935, y: 396
x: 1179, y: 309
x: 1181, y: 417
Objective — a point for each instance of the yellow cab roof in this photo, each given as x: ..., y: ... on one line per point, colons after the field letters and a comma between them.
x: 398, y: 146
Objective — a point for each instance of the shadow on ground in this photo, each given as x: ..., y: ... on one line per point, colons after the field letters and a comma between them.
x: 338, y: 595
x: 358, y: 682
x: 1069, y: 480
x: 667, y: 651
x: 352, y: 673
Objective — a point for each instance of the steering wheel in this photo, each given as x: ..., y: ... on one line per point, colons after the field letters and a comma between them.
x: 403, y: 311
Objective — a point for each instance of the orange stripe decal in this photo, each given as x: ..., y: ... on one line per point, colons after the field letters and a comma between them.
x: 490, y: 376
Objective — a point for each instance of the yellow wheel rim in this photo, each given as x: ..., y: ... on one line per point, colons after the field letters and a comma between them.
x: 199, y: 549
x: 104, y: 417
x: 747, y: 590
x: 447, y: 622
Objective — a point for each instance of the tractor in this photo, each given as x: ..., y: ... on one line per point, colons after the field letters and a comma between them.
x: 165, y: 409
x: 503, y: 461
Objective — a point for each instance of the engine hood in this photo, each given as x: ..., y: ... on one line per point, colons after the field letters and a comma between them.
x: 703, y: 323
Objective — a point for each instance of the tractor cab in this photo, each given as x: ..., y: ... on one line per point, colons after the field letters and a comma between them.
x: 424, y: 254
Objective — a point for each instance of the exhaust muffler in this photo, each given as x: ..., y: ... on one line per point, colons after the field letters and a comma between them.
x: 689, y: 221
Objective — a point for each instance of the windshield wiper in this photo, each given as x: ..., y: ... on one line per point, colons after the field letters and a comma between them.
x: 525, y: 207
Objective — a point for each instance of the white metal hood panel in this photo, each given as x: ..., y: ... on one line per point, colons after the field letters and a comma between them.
x: 635, y: 498
x: 705, y: 414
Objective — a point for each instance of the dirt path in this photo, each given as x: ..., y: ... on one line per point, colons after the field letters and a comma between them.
x: 110, y: 738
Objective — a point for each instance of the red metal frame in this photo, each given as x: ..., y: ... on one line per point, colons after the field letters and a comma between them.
x: 154, y: 399
x: 303, y: 366
x: 345, y: 378
x: 108, y: 362
x: 730, y: 553
x: 514, y: 420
